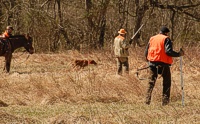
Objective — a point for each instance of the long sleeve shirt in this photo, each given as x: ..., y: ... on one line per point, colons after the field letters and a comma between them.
x: 121, y: 47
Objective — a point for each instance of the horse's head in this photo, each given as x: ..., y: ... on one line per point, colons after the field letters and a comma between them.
x: 28, y: 44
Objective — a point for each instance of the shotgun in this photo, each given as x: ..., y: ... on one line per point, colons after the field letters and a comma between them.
x: 131, y: 40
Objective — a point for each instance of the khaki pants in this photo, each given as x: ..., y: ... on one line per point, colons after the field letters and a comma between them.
x: 122, y: 62
x: 166, y: 75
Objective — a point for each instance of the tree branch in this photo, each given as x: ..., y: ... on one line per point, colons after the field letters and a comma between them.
x: 155, y: 3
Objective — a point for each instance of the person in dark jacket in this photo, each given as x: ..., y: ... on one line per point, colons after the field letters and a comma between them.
x: 159, y: 53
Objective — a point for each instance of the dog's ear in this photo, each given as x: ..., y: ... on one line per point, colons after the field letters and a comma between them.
x: 93, y: 62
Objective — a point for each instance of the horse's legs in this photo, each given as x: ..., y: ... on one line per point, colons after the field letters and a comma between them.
x: 7, y: 66
x: 7, y: 62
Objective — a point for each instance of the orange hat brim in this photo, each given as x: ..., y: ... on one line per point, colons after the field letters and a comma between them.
x: 121, y: 32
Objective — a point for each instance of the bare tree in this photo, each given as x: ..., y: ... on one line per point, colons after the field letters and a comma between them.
x: 60, y: 24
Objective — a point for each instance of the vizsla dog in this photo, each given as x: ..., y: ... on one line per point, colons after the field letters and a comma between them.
x: 84, y: 63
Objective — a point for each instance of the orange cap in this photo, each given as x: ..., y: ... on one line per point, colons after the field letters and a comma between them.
x: 122, y: 31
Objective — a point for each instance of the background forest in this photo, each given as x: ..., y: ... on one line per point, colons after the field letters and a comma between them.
x: 70, y: 24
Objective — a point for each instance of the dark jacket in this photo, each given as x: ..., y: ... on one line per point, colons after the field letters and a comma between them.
x: 168, y: 50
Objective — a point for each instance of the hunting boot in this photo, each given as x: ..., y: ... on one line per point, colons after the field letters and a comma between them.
x: 165, y: 100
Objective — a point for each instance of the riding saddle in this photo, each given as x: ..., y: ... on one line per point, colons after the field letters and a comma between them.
x: 4, y: 45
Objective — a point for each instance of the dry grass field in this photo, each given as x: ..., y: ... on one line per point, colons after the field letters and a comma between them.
x: 47, y: 89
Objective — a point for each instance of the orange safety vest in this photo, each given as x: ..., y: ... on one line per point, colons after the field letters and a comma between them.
x: 6, y: 34
x: 156, y: 51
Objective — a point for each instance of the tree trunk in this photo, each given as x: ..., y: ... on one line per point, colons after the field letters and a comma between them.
x: 140, y: 11
x: 61, y: 27
x: 102, y: 24
x: 102, y: 32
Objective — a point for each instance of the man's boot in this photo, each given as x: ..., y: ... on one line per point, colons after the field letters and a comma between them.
x: 165, y: 100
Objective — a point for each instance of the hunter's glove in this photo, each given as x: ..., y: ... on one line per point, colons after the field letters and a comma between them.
x: 131, y: 40
x: 181, y: 52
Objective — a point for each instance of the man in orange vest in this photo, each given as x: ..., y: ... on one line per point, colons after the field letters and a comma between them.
x: 121, y: 51
x: 8, y: 32
x: 159, y: 53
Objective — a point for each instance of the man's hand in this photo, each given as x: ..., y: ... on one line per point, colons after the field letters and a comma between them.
x: 181, y: 52
x: 131, y: 40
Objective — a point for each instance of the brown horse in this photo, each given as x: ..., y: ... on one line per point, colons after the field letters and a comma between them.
x: 8, y: 46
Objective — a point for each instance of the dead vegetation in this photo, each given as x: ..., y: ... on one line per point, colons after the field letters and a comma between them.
x: 46, y: 87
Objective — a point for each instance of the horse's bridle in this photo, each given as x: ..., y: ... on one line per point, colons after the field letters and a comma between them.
x: 28, y: 45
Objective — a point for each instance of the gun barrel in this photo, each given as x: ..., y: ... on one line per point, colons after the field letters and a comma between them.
x: 137, y: 31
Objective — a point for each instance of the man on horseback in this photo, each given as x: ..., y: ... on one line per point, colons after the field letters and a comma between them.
x: 9, y: 43
x: 8, y: 32
x: 4, y: 37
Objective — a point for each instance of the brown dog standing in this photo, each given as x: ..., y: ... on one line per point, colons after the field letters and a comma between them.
x: 84, y: 63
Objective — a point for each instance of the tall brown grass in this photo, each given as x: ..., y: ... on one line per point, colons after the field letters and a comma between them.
x: 46, y: 88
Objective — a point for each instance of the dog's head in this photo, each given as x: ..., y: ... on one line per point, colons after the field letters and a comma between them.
x: 92, y: 62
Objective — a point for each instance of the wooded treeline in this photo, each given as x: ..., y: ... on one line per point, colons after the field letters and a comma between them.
x: 66, y: 24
